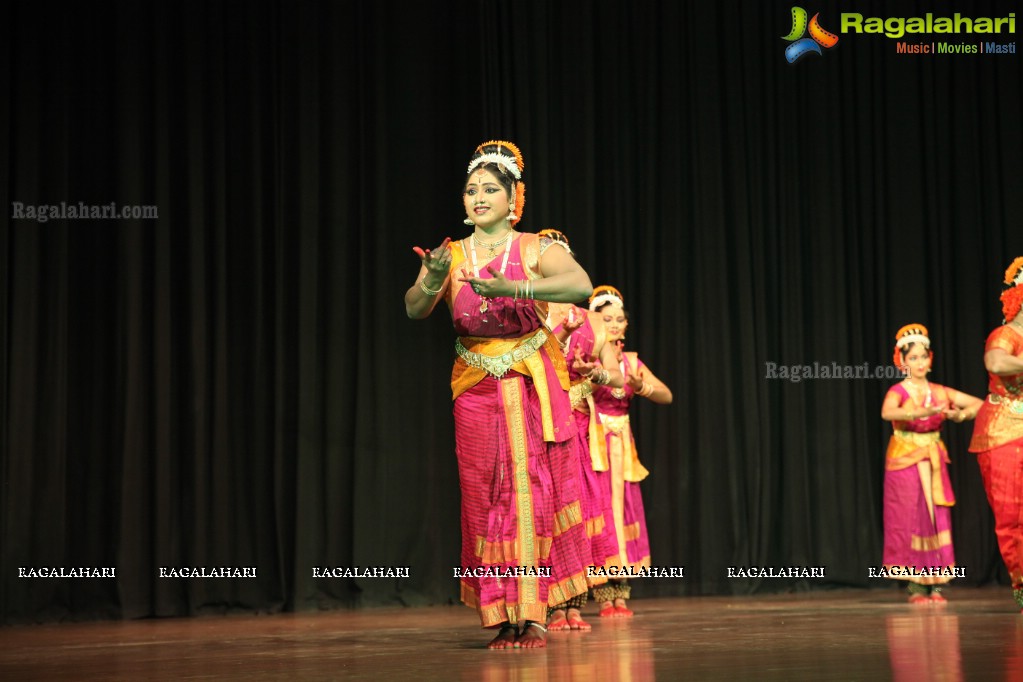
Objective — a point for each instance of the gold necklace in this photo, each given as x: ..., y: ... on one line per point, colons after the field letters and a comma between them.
x: 491, y: 247
x: 620, y: 392
x: 476, y: 269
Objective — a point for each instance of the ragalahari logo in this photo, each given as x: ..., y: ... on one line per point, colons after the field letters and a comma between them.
x: 803, y: 46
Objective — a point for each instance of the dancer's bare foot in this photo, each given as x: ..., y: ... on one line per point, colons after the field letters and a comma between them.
x: 505, y: 638
x: 534, y: 636
x: 621, y: 611
x: 575, y: 620
x: 558, y: 621
x: 607, y: 610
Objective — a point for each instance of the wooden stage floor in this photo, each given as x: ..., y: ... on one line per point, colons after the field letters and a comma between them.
x: 834, y: 635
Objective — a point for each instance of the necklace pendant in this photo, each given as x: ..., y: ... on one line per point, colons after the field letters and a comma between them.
x: 484, y: 306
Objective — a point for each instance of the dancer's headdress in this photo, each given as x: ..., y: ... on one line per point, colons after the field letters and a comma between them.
x: 910, y: 334
x: 1012, y: 298
x: 606, y: 294
x: 507, y: 157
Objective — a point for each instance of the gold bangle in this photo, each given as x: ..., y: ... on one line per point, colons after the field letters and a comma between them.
x: 427, y: 290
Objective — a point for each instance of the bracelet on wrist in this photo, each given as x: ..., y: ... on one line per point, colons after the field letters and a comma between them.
x: 427, y: 290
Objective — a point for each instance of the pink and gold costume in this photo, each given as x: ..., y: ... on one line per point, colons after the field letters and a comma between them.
x: 515, y: 440
x: 918, y: 495
x: 619, y: 470
x: 588, y: 339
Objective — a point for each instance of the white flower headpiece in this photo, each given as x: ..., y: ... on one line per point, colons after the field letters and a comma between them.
x: 506, y: 162
x: 602, y: 299
x: 913, y: 338
x: 912, y: 333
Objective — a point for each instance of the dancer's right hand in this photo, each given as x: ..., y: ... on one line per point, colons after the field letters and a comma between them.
x: 437, y: 260
x: 574, y: 319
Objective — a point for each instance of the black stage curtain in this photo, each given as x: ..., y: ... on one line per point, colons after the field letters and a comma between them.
x: 235, y: 383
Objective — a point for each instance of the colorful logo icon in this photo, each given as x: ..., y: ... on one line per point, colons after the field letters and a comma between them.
x: 801, y: 46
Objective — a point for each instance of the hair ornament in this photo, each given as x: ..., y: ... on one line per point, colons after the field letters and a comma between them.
x: 912, y: 333
x: 509, y: 159
x: 907, y: 336
x: 1012, y: 298
x: 512, y: 163
x: 606, y: 294
x: 1014, y: 273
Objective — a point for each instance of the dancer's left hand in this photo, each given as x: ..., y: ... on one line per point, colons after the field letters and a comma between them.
x: 583, y: 363
x: 634, y: 380
x: 498, y: 285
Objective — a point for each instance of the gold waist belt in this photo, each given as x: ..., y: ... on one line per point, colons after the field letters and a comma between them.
x: 499, y: 366
x: 1014, y: 405
x: 921, y: 439
x: 615, y: 423
x: 578, y: 392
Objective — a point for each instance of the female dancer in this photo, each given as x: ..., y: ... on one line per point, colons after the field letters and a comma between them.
x: 523, y: 541
x: 615, y: 460
x: 998, y: 433
x: 917, y: 492
x: 591, y: 363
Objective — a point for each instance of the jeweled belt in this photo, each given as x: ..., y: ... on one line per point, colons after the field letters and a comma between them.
x: 499, y: 365
x: 1014, y: 405
x: 578, y: 392
x: 917, y: 438
x: 614, y: 423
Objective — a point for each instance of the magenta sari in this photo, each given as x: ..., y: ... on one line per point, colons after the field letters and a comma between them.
x: 918, y: 496
x: 589, y: 339
x: 515, y: 441
x: 619, y: 470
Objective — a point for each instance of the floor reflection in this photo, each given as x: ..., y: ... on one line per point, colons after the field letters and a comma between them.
x: 620, y: 652
x: 924, y: 645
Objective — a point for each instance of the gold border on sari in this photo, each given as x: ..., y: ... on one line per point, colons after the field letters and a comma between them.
x: 931, y: 542
x: 511, y: 396
x: 568, y: 517
x: 507, y: 552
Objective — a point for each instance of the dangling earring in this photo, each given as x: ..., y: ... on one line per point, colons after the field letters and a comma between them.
x: 511, y: 213
x: 468, y: 221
